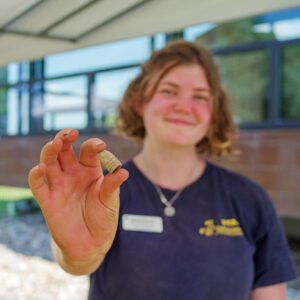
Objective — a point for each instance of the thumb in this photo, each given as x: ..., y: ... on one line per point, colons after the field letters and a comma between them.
x: 110, y: 188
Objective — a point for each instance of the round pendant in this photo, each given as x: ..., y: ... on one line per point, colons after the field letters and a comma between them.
x: 169, y: 211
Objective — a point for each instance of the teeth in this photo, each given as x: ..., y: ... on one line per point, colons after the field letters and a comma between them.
x: 109, y: 161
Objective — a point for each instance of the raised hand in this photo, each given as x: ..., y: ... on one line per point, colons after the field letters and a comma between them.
x: 80, y: 205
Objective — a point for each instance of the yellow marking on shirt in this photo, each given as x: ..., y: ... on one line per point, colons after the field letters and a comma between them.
x: 229, y: 227
x: 229, y: 222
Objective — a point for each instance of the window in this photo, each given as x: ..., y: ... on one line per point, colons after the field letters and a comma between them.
x: 3, y: 111
x: 290, y: 108
x: 24, y: 109
x: 109, y: 89
x: 159, y: 41
x: 280, y: 25
x: 14, y: 110
x: 246, y: 77
x: 3, y: 75
x: 12, y: 73
x: 248, y: 52
x: 99, y: 57
x: 64, y: 104
x: 192, y: 33
x: 17, y: 72
x: 258, y: 62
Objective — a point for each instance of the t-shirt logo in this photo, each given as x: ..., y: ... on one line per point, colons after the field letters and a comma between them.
x: 230, y: 227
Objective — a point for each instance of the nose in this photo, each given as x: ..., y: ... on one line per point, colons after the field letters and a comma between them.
x: 183, y: 104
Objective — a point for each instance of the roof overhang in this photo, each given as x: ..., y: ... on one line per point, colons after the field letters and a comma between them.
x: 32, y: 29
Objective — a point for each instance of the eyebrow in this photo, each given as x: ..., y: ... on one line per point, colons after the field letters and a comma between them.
x: 177, y: 86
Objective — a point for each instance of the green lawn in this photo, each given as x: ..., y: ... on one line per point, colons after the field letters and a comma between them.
x: 11, y: 193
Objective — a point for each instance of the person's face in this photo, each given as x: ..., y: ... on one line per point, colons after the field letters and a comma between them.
x: 180, y: 110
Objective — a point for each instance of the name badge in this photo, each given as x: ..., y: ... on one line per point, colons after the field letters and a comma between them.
x: 142, y: 223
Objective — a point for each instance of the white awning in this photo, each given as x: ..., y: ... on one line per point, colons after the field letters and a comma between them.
x: 32, y: 29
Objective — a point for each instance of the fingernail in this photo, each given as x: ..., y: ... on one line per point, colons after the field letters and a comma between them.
x: 68, y: 132
x: 99, y: 144
x: 72, y: 132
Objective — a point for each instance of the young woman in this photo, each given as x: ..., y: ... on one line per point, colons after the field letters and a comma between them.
x: 184, y: 228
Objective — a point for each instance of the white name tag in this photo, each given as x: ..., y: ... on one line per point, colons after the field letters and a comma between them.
x: 142, y: 223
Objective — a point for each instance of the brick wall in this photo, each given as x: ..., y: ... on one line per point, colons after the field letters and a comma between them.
x: 272, y: 159
x: 269, y: 157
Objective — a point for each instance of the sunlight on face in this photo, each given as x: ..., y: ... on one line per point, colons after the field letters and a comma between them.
x: 180, y: 109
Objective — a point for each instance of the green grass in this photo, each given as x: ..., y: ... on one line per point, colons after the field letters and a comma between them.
x: 11, y: 193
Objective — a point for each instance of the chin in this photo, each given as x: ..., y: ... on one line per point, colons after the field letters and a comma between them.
x: 182, y: 142
x: 183, y: 139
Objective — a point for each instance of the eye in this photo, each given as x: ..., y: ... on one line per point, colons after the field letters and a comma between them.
x: 201, y: 97
x: 167, y: 91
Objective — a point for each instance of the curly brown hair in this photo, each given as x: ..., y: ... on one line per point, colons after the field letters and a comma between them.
x: 221, y: 134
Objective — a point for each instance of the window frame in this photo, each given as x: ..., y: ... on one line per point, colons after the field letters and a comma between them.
x: 273, y: 114
x: 274, y: 47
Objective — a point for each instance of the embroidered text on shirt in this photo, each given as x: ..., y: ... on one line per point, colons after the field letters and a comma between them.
x: 228, y: 227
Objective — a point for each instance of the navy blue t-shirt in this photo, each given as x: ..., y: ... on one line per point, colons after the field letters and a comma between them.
x: 224, y: 241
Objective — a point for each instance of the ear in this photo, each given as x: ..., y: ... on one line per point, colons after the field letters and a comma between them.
x: 138, y: 108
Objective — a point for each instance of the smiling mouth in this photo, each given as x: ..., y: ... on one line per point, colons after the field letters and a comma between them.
x: 179, y: 122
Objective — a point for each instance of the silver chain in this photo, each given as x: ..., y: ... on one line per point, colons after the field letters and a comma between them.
x: 169, y: 210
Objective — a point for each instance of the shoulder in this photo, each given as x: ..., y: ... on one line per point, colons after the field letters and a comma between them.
x: 237, y: 183
x: 256, y: 210
x: 246, y: 195
x: 231, y: 176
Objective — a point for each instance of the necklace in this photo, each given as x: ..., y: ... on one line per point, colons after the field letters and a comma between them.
x: 169, y: 210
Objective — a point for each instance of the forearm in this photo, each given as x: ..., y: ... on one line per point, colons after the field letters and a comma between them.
x: 271, y: 292
x: 79, y: 267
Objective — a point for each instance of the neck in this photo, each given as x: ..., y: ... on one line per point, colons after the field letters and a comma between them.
x: 168, y: 166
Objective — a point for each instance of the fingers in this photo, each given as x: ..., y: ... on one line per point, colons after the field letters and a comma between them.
x: 50, y: 151
x: 37, y: 184
x: 89, y: 152
x: 68, y: 136
x: 49, y: 156
x: 66, y: 155
x: 110, y: 188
